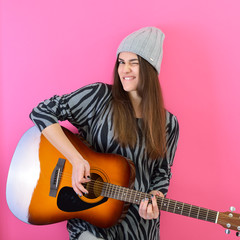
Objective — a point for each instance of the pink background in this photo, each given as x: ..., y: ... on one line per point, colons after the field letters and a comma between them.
x: 57, y: 46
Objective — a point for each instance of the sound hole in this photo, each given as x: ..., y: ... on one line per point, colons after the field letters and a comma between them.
x: 93, y: 187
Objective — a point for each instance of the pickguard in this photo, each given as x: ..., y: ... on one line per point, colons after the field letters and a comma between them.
x: 69, y: 201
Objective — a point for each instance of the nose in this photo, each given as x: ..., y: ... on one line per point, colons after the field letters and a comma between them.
x: 126, y: 68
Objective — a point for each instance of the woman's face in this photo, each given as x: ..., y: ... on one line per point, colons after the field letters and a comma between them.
x: 128, y: 71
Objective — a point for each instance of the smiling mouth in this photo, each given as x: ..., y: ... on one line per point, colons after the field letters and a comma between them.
x: 128, y: 78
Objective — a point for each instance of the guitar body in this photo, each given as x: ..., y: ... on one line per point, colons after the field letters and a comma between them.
x: 39, y: 189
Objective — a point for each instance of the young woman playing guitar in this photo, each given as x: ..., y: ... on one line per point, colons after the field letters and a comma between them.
x: 127, y: 118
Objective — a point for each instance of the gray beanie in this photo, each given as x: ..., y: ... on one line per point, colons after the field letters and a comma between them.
x: 147, y: 43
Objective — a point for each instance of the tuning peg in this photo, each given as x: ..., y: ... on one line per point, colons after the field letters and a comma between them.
x: 232, y: 209
x: 227, y: 231
x: 238, y: 234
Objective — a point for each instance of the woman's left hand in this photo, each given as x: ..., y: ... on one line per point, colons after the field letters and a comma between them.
x: 150, y: 210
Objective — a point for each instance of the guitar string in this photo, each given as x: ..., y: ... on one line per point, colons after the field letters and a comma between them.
x: 97, y: 185
x: 210, y: 218
x: 211, y: 215
x: 171, y: 204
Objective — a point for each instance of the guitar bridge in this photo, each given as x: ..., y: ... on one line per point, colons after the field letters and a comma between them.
x: 56, y: 177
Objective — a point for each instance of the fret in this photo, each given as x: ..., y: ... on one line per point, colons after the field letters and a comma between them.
x: 161, y: 203
x: 120, y: 193
x: 117, y: 190
x: 182, y: 208
x: 178, y: 208
x: 171, y: 206
x: 207, y: 214
x: 135, y: 195
x: 137, y: 201
x: 203, y: 213
x: 112, y: 192
x: 125, y: 194
x: 198, y: 212
x: 132, y: 196
x: 190, y: 209
x: 166, y: 204
x: 194, y: 212
x: 106, y: 189
x: 186, y: 210
x: 103, y: 192
x: 175, y: 206
x: 212, y: 215
x: 142, y: 196
x: 129, y: 195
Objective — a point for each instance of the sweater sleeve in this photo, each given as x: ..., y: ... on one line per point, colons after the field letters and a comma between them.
x: 162, y: 172
x: 78, y: 107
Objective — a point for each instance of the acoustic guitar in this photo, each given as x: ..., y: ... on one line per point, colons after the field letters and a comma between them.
x: 39, y: 189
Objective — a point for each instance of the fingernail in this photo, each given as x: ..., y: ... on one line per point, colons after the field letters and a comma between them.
x: 143, y: 200
x: 80, y: 194
x: 88, y: 177
x: 152, y: 196
x: 146, y: 199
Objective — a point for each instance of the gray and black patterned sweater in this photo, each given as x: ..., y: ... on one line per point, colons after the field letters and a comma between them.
x: 89, y: 109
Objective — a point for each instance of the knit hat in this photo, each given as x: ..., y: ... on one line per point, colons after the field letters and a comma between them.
x: 147, y: 43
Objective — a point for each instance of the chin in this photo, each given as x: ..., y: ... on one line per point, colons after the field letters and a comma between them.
x: 129, y: 90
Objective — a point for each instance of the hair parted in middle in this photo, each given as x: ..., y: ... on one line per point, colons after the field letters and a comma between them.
x: 152, y: 107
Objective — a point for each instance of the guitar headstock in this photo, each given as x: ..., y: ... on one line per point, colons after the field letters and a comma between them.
x: 230, y: 220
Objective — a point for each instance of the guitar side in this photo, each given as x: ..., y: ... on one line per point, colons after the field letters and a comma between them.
x: 23, y: 174
x: 29, y: 185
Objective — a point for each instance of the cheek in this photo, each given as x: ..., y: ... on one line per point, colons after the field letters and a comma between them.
x: 137, y: 70
x: 119, y: 71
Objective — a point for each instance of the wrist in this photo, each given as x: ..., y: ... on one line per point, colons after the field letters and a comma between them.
x: 76, y: 159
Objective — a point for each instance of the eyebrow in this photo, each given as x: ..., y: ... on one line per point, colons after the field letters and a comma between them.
x: 131, y: 60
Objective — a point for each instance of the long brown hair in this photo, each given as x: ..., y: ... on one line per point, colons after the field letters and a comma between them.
x: 153, y: 112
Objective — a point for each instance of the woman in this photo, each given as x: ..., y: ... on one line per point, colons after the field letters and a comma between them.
x: 127, y: 118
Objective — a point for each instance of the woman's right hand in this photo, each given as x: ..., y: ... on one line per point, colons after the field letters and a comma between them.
x: 80, y: 167
x: 80, y: 175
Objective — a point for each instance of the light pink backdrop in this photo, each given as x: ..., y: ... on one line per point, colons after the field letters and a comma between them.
x: 56, y: 46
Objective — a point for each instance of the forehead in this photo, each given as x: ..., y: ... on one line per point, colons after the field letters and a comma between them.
x: 127, y: 56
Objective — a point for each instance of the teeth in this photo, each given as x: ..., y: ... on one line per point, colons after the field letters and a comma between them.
x: 128, y: 78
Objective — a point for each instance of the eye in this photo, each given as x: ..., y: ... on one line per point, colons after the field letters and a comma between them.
x: 135, y: 63
x: 120, y: 61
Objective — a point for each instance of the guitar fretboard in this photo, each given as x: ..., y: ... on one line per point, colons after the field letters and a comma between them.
x: 165, y: 204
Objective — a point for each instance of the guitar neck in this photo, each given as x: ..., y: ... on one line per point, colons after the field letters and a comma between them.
x: 164, y: 204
